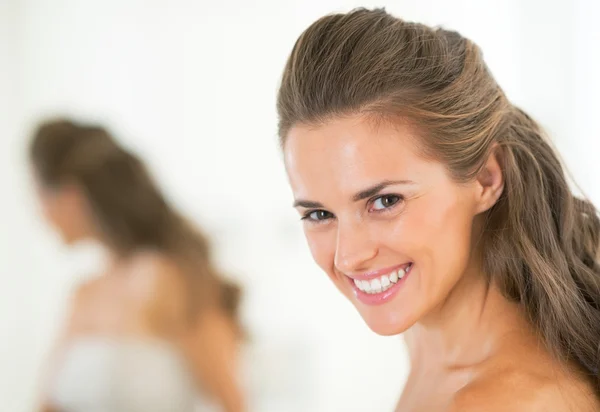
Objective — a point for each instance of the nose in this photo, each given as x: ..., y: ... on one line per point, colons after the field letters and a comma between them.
x: 354, y: 248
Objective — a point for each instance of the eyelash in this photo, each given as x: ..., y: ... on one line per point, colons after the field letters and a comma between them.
x: 306, y: 216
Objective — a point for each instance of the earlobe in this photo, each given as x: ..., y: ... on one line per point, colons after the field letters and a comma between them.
x: 491, y: 180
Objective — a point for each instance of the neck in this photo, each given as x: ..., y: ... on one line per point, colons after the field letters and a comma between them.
x: 112, y: 257
x: 467, y: 328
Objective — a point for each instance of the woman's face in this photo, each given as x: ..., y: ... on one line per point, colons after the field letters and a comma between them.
x: 64, y: 209
x: 390, y: 228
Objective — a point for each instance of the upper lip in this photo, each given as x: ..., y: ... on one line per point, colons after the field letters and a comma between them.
x: 377, y: 273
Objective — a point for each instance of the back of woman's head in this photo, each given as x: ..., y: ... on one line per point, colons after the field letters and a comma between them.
x: 129, y: 210
x: 539, y: 243
x: 126, y: 205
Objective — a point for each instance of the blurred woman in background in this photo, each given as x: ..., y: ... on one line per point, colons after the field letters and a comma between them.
x: 158, y: 330
x: 440, y: 209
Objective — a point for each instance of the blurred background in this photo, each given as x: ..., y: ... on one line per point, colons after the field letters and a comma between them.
x: 190, y: 85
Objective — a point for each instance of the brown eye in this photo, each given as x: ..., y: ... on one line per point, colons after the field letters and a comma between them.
x: 318, y: 215
x: 385, y: 202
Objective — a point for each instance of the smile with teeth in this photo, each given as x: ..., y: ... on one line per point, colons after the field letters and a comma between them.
x: 381, y: 283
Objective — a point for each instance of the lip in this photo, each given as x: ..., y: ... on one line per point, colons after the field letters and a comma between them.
x: 383, y: 297
x: 380, y: 272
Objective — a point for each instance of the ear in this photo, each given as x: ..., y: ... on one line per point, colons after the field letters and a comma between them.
x: 490, y: 180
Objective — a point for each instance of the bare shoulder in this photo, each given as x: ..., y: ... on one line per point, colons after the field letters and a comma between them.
x: 158, y: 285
x: 156, y: 274
x: 520, y: 390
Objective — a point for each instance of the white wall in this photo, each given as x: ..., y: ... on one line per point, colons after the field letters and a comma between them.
x: 14, y: 316
x: 581, y: 143
x: 191, y: 85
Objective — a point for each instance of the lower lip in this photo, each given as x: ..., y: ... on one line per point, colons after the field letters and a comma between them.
x: 379, y: 298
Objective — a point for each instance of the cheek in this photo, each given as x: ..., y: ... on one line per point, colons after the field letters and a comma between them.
x: 57, y: 214
x: 442, y: 231
x: 436, y: 233
x: 49, y: 210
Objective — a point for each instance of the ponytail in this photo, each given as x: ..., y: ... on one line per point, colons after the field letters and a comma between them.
x: 554, y: 238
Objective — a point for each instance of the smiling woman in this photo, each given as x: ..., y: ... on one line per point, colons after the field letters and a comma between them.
x: 363, y: 226
x: 439, y: 209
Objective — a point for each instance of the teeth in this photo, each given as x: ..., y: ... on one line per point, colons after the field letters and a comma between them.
x: 376, y: 285
x: 382, y: 283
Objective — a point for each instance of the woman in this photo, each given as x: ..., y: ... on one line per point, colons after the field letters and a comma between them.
x: 160, y: 321
x: 439, y: 209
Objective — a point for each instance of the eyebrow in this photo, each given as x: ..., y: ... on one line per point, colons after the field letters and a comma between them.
x: 373, y: 190
x: 363, y: 194
x: 307, y: 204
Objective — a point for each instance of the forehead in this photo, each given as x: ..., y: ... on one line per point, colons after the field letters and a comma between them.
x: 350, y: 154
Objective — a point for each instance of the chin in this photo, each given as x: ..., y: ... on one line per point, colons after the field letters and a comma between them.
x: 386, y: 330
x: 385, y: 323
x: 391, y: 311
x: 69, y: 239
